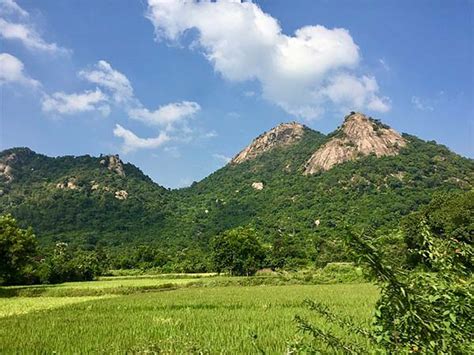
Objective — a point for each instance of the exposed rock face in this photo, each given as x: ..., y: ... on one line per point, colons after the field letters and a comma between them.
x: 114, y: 164
x: 70, y: 184
x: 121, y: 195
x: 6, y: 171
x: 282, y: 135
x: 357, y: 137
x: 257, y: 185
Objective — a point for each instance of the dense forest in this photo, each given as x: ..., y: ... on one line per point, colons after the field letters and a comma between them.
x: 100, y: 203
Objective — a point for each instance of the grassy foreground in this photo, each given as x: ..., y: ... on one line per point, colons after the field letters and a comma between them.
x: 232, y: 319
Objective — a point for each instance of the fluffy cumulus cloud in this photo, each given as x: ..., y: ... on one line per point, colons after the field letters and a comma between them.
x: 244, y: 43
x: 132, y: 142
x: 114, y: 89
x: 171, y: 118
x: 166, y: 115
x: 15, y: 24
x: 105, y: 76
x: 12, y: 70
x: 68, y: 104
x: 120, y: 88
x: 349, y: 92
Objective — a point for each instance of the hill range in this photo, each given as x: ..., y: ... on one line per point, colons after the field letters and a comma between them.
x: 290, y: 179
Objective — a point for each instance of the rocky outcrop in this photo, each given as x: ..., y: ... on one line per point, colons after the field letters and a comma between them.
x: 121, y: 195
x: 113, y: 163
x: 69, y: 184
x: 257, y: 185
x: 282, y: 135
x: 6, y: 170
x: 358, y: 136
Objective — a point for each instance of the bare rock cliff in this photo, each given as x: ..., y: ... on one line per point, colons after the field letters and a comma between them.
x: 282, y: 135
x: 114, y: 164
x: 6, y: 170
x: 358, y: 136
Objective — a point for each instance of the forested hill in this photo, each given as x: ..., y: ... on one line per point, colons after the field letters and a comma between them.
x: 289, y: 180
x: 79, y: 198
x: 276, y: 192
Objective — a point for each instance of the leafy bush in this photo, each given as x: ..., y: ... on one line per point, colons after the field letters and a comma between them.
x: 446, y: 215
x: 425, y: 312
x: 65, y: 265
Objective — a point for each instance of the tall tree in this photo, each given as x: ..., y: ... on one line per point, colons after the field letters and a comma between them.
x: 17, y: 249
x: 238, y: 251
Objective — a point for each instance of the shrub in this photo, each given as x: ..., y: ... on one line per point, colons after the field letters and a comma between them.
x: 426, y: 312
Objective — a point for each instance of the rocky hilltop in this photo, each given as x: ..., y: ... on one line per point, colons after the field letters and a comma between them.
x: 80, y: 199
x: 6, y: 171
x: 358, y: 136
x: 114, y: 164
x: 282, y: 135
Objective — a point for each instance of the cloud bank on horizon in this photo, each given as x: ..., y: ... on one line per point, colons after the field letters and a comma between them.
x: 304, y: 74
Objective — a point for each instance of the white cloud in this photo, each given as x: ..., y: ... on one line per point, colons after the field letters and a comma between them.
x: 379, y: 104
x: 222, y: 158
x: 166, y: 115
x: 11, y: 7
x: 353, y: 93
x: 27, y: 35
x: 104, y: 75
x: 12, y: 71
x: 244, y: 43
x: 420, y: 104
x: 171, y: 117
x: 132, y: 142
x: 118, y: 92
x: 68, y: 104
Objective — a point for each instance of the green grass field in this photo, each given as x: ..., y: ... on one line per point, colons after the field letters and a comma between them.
x: 186, y: 319
x: 101, y: 287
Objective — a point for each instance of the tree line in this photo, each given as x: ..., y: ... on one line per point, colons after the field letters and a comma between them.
x: 238, y: 251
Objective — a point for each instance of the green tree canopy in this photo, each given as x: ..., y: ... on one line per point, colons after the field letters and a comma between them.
x: 17, y: 249
x: 448, y: 216
x: 238, y: 251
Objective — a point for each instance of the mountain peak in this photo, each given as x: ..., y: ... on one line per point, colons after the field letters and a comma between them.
x: 113, y: 163
x: 358, y: 136
x: 282, y: 135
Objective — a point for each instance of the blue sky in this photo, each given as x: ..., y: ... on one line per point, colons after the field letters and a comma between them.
x: 176, y: 88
